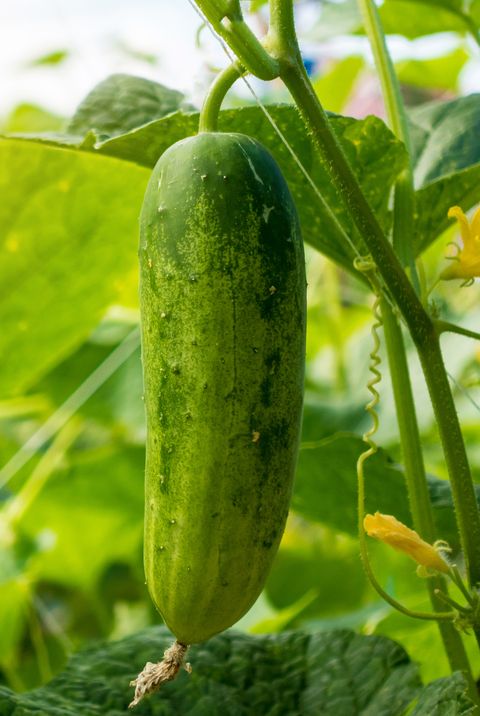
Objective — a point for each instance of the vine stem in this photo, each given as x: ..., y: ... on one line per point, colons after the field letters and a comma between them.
x: 417, y: 486
x: 416, y: 480
x: 455, y: 454
x: 226, y: 18
x: 396, y: 115
x: 344, y: 180
x: 388, y: 266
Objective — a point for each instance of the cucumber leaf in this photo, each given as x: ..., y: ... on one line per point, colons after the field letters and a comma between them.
x: 326, y: 487
x: 68, y: 246
x: 285, y: 674
x: 444, y: 696
x: 446, y: 162
x: 123, y: 102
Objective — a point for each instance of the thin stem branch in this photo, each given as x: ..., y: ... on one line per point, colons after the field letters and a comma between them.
x: 281, y: 39
x: 447, y: 327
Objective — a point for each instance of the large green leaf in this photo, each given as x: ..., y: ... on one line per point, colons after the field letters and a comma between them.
x: 326, y: 487
x: 288, y: 674
x: 447, y: 162
x: 68, y: 247
x: 123, y: 102
x: 374, y: 153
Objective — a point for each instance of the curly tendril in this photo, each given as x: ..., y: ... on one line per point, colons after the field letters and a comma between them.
x: 367, y: 265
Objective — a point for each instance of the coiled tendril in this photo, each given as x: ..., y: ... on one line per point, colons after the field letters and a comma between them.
x: 367, y: 266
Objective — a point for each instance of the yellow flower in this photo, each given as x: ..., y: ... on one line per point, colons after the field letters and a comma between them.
x: 466, y: 264
x: 389, y: 530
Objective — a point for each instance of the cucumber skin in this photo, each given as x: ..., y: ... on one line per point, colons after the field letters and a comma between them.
x: 222, y: 298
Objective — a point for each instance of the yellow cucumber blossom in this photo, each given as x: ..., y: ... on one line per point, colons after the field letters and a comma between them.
x: 389, y: 530
x: 466, y: 264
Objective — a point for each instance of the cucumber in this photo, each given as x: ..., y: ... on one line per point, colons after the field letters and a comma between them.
x: 222, y: 296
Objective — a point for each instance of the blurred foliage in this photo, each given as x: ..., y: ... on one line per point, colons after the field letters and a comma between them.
x: 51, y: 58
x: 71, y: 498
x: 31, y: 118
x: 410, y: 18
x: 436, y: 73
x: 335, y: 86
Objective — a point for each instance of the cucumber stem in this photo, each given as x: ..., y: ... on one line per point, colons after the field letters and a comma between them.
x: 154, y: 675
x: 208, y: 121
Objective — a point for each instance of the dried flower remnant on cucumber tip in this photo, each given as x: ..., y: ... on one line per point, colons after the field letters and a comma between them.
x: 154, y: 675
x: 466, y: 263
x: 388, y: 529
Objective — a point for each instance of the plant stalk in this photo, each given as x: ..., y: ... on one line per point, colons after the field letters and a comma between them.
x: 345, y: 182
x: 404, y: 195
x: 226, y: 18
x: 456, y: 460
x: 417, y: 486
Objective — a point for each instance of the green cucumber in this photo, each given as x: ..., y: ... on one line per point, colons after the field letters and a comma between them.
x: 222, y: 293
